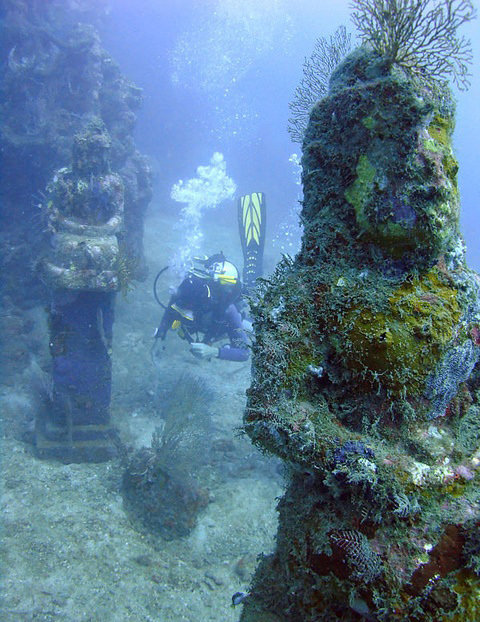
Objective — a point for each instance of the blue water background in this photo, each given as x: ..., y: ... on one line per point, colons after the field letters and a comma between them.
x: 218, y: 76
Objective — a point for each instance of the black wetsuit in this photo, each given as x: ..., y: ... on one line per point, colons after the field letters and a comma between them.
x: 202, y: 307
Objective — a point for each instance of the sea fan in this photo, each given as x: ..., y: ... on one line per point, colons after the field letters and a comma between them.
x: 418, y: 35
x: 313, y: 86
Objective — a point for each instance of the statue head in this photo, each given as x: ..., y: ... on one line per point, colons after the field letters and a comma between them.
x: 383, y: 144
x: 91, y: 147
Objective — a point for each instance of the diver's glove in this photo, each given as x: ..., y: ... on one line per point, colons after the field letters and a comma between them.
x: 203, y: 351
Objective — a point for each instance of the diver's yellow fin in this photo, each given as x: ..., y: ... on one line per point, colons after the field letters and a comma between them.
x: 251, y: 222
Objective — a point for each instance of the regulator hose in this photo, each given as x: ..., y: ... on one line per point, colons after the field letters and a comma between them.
x: 155, y: 287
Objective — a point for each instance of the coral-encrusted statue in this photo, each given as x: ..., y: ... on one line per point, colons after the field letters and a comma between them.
x: 365, y: 376
x: 85, y: 214
x: 83, y: 271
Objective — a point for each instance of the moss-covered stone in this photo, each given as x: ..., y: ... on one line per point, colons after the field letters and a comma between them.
x: 400, y: 345
x: 85, y: 208
x: 364, y: 348
x: 55, y: 77
x: 386, y: 154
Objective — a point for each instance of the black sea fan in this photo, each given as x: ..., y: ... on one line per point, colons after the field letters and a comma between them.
x: 418, y: 35
x: 313, y: 86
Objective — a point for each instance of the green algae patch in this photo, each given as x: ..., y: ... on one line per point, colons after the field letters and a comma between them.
x: 408, y: 207
x: 440, y: 132
x: 399, y: 346
x: 358, y: 193
x: 364, y: 347
x: 431, y: 145
x: 467, y: 587
x: 390, y: 223
x: 369, y: 122
x: 301, y: 357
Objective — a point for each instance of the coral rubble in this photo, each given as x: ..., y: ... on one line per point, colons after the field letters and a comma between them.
x: 365, y: 370
x: 162, y: 487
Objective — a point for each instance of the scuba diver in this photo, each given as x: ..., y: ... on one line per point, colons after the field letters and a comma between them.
x: 207, y: 303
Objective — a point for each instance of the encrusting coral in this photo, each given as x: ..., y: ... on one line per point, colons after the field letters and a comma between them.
x: 365, y: 367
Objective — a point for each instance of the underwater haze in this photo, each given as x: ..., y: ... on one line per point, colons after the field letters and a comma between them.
x: 219, y: 75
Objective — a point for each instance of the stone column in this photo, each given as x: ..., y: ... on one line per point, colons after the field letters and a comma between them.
x: 83, y: 271
x: 364, y: 369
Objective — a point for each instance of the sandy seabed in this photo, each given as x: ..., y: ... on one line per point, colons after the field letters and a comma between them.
x: 69, y: 550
